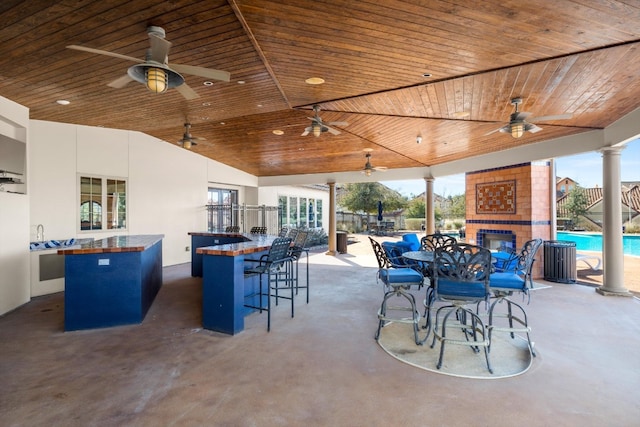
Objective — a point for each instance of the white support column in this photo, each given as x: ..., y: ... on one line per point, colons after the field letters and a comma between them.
x: 553, y: 203
x: 429, y: 212
x: 332, y: 220
x: 612, y: 251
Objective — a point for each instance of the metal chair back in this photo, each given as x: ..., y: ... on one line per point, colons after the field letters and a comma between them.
x: 431, y: 242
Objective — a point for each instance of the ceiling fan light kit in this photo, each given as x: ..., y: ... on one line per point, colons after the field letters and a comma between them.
x: 318, y: 126
x: 156, y: 78
x: 517, y: 130
x: 518, y: 124
x: 154, y: 71
x: 316, y: 129
x: 368, y: 169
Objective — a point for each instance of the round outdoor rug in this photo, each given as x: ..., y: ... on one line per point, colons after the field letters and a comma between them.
x: 509, y: 357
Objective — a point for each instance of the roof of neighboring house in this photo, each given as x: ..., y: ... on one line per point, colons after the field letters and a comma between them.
x: 629, y: 197
x: 558, y: 180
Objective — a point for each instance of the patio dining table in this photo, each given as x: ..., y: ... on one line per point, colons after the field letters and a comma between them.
x: 427, y: 258
x: 419, y: 256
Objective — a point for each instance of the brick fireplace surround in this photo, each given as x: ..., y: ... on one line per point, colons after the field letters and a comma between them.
x: 509, y: 205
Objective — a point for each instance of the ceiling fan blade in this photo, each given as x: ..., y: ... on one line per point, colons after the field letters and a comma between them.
x: 104, y: 52
x: 532, y: 128
x: 519, y: 116
x: 186, y: 91
x: 548, y: 118
x: 121, y: 82
x: 332, y: 130
x: 208, y: 73
x: 494, y: 131
x: 380, y: 168
x: 159, y: 48
x: 306, y: 132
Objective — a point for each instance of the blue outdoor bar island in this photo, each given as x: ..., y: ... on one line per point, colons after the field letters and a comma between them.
x: 224, y: 286
x: 112, y: 281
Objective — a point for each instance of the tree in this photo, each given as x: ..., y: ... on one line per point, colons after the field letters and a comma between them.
x: 457, y: 208
x: 416, y: 208
x: 576, y: 204
x: 364, y: 197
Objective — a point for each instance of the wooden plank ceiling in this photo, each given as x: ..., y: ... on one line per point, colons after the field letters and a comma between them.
x: 577, y: 57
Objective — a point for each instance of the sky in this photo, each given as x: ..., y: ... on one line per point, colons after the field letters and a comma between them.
x: 585, y: 169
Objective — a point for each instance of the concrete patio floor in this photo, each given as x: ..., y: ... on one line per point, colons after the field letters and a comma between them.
x: 321, y: 368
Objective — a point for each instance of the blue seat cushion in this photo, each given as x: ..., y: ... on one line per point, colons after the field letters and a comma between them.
x: 460, y: 290
x: 412, y: 239
x: 505, y: 261
x: 400, y: 275
x: 507, y: 280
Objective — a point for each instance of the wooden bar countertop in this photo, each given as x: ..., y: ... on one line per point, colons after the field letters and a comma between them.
x: 256, y: 243
x: 135, y: 243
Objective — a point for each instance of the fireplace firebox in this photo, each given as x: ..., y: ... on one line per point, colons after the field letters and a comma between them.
x: 503, y: 240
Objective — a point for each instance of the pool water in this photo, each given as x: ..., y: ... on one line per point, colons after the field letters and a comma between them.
x: 593, y: 242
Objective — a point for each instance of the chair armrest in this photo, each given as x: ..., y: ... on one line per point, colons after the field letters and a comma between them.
x: 508, y: 263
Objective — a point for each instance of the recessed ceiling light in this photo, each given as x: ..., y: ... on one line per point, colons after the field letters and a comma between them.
x: 63, y: 102
x: 206, y: 104
x: 278, y: 132
x: 259, y: 105
x: 241, y: 82
x: 222, y: 123
x: 426, y: 74
x: 314, y: 81
x: 208, y: 83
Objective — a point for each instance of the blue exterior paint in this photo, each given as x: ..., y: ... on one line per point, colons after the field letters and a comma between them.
x: 223, y: 293
x: 481, y: 232
x: 508, y: 222
x: 224, y: 288
x: 100, y: 296
x: 198, y: 241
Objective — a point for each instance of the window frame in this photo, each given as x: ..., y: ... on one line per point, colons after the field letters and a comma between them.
x: 103, y: 201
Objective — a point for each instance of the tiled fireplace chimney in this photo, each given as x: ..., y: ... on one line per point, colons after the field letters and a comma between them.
x: 509, y: 205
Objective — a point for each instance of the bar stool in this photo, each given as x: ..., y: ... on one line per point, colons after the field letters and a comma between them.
x: 277, y: 266
x: 295, y: 253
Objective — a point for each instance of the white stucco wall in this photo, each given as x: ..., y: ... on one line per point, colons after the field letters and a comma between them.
x: 166, y: 185
x: 14, y: 208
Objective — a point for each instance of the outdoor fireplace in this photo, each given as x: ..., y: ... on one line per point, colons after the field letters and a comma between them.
x: 503, y: 240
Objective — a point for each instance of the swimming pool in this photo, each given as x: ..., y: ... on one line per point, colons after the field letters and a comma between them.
x: 593, y: 242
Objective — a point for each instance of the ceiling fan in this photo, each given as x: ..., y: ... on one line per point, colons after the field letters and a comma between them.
x: 154, y: 71
x: 188, y: 140
x: 368, y: 169
x: 518, y: 124
x: 318, y: 126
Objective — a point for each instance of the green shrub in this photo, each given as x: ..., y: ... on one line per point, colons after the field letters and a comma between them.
x: 632, y: 229
x: 413, y: 223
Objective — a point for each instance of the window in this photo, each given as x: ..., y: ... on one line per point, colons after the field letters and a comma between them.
x: 303, y: 212
x: 293, y: 212
x: 300, y: 212
x: 220, y: 210
x: 318, y: 213
x: 102, y: 201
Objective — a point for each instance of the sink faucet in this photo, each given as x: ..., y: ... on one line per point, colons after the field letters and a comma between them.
x: 40, y: 233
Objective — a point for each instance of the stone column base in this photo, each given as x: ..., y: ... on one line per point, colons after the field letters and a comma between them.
x: 608, y: 293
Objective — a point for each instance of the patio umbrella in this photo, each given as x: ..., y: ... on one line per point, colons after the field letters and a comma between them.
x: 379, y: 210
